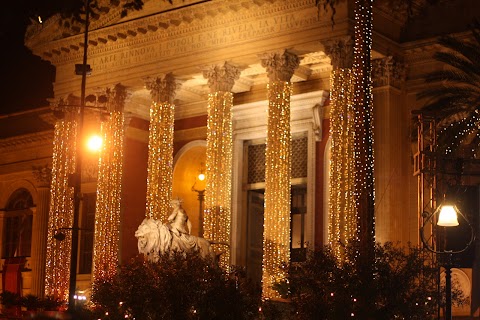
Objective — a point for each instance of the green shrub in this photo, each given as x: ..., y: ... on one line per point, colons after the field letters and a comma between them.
x: 177, y: 287
x: 402, y: 285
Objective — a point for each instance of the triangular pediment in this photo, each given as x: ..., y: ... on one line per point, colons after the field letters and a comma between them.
x: 53, y: 28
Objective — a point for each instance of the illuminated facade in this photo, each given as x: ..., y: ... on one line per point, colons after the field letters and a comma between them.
x: 241, y: 103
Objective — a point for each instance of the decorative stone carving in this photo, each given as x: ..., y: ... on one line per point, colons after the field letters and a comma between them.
x: 340, y: 52
x: 156, y: 238
x: 42, y: 175
x: 162, y: 89
x: 221, y: 77
x: 388, y: 72
x: 280, y: 66
x: 65, y: 106
x: 117, y: 97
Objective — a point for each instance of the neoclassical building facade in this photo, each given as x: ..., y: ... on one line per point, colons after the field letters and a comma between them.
x: 253, y: 93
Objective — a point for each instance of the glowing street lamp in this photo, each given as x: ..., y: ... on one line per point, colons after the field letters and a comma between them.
x: 94, y: 143
x: 201, y: 198
x: 447, y: 217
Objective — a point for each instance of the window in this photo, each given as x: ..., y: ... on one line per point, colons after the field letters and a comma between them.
x: 17, y: 231
x: 255, y: 179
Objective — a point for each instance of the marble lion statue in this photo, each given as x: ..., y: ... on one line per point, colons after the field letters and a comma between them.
x: 156, y: 238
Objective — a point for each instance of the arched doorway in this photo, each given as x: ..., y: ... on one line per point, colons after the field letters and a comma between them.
x: 188, y: 163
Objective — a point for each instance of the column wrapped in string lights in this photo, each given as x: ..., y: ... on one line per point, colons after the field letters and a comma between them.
x: 276, y: 228
x: 364, y: 158
x: 160, y: 146
x: 109, y: 186
x: 342, y: 219
x: 57, y: 265
x: 217, y: 217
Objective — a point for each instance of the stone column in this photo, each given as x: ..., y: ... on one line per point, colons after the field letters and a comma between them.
x: 392, y: 144
x: 160, y: 146
x: 276, y: 234
x: 43, y: 178
x: 109, y: 187
x: 60, y: 215
x: 217, y: 220
x: 342, y: 219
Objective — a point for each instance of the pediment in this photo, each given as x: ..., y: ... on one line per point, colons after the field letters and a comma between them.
x: 53, y: 28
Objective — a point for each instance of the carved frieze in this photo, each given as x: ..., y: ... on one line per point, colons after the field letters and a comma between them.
x: 388, y: 72
x: 162, y: 89
x: 26, y: 141
x: 340, y: 51
x: 280, y: 66
x: 169, y: 34
x: 221, y: 77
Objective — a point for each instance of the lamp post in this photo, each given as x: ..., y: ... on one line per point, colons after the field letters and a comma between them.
x: 78, y: 169
x: 447, y: 217
x: 201, y: 199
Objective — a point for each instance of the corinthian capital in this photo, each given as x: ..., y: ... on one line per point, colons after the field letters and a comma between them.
x: 388, y: 72
x: 42, y: 175
x: 280, y: 65
x: 221, y: 77
x: 114, y: 98
x: 340, y: 52
x: 162, y: 89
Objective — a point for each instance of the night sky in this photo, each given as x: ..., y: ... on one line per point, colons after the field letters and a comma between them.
x: 26, y: 80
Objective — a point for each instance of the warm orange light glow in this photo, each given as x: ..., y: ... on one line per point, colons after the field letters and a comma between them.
x: 94, y: 143
x: 448, y: 216
x: 201, y: 177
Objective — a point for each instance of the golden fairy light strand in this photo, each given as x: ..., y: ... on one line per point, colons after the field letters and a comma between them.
x: 276, y: 232
x: 342, y: 211
x: 108, y: 205
x: 160, y: 160
x: 364, y: 157
x: 217, y: 217
x: 57, y: 269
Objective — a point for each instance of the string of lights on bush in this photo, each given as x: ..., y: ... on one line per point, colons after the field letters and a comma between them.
x: 57, y: 269
x: 217, y: 218
x: 342, y: 210
x: 108, y: 205
x: 276, y: 232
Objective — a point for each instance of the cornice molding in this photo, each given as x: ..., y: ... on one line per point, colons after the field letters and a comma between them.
x: 203, y: 17
x: 25, y: 141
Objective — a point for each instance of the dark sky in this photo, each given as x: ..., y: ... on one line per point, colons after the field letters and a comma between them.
x: 26, y: 80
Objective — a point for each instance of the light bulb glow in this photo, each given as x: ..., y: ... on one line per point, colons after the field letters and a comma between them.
x: 94, y: 143
x: 448, y: 216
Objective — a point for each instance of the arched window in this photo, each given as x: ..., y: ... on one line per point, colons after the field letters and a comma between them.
x: 17, y: 230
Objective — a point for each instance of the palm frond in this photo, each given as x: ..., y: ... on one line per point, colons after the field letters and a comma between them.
x: 453, y: 97
x: 453, y: 75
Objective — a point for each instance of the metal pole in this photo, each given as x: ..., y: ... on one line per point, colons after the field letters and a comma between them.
x: 201, y: 197
x: 448, y: 288
x: 77, y: 192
